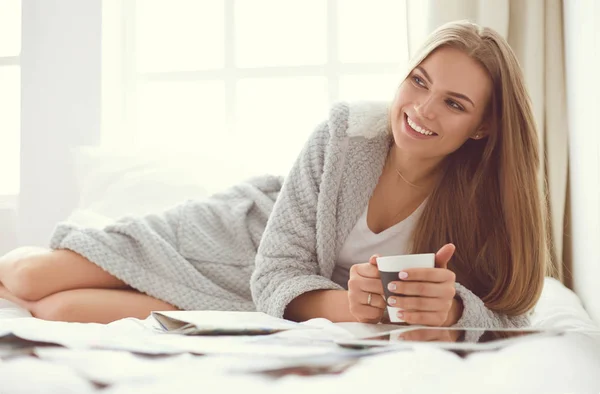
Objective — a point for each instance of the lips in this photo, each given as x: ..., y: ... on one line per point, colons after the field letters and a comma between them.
x: 416, y: 130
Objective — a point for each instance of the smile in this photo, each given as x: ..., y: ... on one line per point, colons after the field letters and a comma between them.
x: 417, y: 128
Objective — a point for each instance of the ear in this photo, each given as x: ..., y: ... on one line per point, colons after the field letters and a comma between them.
x: 481, y: 133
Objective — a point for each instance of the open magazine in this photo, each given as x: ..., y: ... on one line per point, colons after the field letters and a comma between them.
x: 347, y: 335
x: 222, y: 323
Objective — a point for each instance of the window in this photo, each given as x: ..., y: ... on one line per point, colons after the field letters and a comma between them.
x: 253, y: 75
x: 10, y: 101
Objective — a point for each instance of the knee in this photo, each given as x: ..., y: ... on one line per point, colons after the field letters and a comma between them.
x: 21, y: 278
x: 55, y: 308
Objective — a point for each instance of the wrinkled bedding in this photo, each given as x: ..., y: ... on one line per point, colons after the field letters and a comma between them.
x: 548, y: 365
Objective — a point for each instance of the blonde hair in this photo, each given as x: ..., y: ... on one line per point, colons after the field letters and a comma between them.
x: 488, y: 201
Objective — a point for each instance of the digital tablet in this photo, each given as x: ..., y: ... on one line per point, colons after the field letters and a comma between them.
x: 449, y: 338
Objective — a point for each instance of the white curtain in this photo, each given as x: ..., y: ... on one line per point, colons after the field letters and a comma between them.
x: 534, y: 29
x: 582, y: 62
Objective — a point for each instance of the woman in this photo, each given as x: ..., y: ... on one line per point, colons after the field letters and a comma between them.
x: 450, y: 166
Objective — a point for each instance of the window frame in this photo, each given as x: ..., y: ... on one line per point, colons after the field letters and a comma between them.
x: 333, y: 70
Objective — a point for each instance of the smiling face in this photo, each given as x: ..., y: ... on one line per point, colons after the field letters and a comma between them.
x: 441, y: 104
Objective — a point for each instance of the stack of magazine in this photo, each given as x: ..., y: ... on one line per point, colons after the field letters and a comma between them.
x: 357, y: 335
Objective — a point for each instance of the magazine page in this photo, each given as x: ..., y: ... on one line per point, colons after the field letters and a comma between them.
x: 222, y: 323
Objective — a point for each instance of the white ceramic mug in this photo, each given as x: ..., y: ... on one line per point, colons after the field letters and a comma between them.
x: 389, y: 268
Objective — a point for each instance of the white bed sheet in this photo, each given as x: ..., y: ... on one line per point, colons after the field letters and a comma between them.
x: 547, y: 365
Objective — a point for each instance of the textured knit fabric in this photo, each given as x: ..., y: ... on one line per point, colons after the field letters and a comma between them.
x: 198, y: 255
x: 203, y: 255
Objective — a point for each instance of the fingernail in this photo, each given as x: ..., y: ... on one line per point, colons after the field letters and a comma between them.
x: 403, y: 275
x: 391, y: 287
x: 391, y: 300
x: 400, y: 315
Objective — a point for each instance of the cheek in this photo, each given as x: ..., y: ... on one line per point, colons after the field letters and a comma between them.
x: 458, y: 128
x: 403, y: 94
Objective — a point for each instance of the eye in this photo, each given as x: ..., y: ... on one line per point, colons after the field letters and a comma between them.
x: 416, y: 79
x: 454, y: 105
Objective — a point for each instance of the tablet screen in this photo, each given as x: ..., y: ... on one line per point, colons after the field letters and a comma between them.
x: 456, y: 335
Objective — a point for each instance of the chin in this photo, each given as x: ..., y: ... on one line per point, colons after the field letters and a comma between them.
x: 403, y: 142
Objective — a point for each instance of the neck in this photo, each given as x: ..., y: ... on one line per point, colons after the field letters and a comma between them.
x: 417, y: 171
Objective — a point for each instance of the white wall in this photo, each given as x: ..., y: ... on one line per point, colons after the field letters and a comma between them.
x: 582, y: 51
x: 60, y: 107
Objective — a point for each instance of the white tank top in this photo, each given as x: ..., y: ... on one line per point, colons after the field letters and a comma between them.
x: 362, y: 243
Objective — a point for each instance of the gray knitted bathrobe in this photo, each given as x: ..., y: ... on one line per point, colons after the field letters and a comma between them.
x: 261, y: 243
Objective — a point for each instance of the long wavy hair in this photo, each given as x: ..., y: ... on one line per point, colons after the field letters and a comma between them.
x: 489, y: 200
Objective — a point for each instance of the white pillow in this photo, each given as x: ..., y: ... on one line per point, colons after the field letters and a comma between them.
x: 114, y: 183
x: 559, y: 307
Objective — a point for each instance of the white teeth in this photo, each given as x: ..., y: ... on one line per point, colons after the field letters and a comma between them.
x: 418, y: 128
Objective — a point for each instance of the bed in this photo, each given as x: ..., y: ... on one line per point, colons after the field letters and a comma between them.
x: 566, y: 364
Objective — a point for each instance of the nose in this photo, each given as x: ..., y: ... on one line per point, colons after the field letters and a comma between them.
x: 425, y: 108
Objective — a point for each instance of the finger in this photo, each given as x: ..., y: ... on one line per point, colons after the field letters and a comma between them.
x: 422, y: 335
x: 437, y: 275
x: 424, y: 304
x: 366, y: 270
x: 359, y: 297
x: 360, y: 284
x: 376, y: 301
x: 435, y: 319
x: 444, y: 337
x: 367, y: 314
x: 423, y: 289
x: 372, y: 286
x: 443, y: 256
x: 373, y: 259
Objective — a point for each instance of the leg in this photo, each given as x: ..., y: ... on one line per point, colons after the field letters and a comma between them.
x: 7, y: 295
x: 97, y: 306
x: 32, y: 274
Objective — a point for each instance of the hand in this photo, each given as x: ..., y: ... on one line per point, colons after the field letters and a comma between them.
x: 365, y: 280
x: 428, y: 293
x: 429, y: 335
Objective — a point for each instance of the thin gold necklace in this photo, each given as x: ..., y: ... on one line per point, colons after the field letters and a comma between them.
x: 405, y: 180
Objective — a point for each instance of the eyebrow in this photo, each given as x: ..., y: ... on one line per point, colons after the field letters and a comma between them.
x: 453, y: 94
